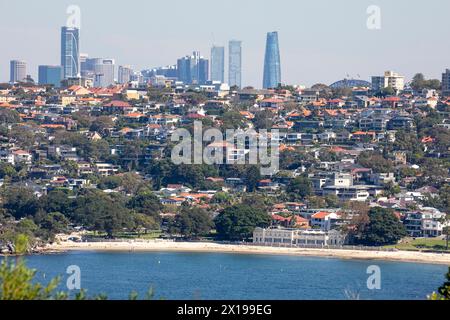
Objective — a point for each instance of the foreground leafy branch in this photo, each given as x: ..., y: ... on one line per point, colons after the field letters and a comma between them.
x: 444, y: 291
x: 17, y: 283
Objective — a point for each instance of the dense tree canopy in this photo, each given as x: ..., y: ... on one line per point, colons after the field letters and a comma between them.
x: 192, y: 222
x: 384, y: 228
x: 300, y: 188
x: 238, y: 222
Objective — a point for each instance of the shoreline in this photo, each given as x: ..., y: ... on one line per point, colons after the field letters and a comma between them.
x: 205, y: 247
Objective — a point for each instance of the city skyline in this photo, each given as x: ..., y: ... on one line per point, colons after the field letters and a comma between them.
x: 308, y: 57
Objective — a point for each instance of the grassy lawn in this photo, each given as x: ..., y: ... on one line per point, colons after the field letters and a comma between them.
x: 420, y: 244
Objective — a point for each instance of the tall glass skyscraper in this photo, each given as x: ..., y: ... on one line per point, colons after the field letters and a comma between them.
x: 218, y: 64
x: 272, y: 64
x: 70, y: 52
x: 235, y: 63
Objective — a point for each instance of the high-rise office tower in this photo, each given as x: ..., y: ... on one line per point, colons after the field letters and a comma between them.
x: 446, y: 83
x: 70, y: 52
x: 193, y: 69
x: 124, y: 75
x: 103, y: 72
x: 203, y: 70
x: 50, y: 75
x: 235, y: 63
x: 18, y: 71
x: 218, y: 64
x: 184, y: 70
x: 272, y: 63
x: 195, y: 59
x: 85, y: 71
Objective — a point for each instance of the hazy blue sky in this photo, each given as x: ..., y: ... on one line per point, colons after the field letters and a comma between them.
x: 321, y: 40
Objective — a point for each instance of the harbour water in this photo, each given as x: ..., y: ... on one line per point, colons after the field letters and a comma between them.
x: 204, y: 276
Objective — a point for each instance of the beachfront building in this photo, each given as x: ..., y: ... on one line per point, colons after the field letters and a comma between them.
x: 296, y: 237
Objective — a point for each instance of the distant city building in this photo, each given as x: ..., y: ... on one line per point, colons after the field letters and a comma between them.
x: 184, y: 70
x: 218, y: 64
x: 70, y: 52
x: 193, y: 69
x: 50, y: 75
x: 235, y: 63
x: 125, y: 73
x: 86, y: 72
x: 103, y: 72
x: 169, y: 72
x: 272, y: 63
x: 18, y: 71
x: 446, y: 83
x: 203, y: 71
x: 390, y: 79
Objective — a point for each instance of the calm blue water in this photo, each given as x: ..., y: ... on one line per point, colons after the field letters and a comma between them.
x: 241, y: 277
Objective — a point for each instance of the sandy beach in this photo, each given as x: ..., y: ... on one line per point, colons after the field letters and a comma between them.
x: 203, y: 247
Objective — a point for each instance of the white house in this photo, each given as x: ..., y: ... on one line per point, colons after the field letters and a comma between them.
x: 296, y: 237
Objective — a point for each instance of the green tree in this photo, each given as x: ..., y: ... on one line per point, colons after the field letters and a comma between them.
x: 52, y: 224
x: 100, y: 212
x: 58, y: 200
x: 192, y: 222
x: 384, y: 228
x: 238, y: 222
x: 21, y: 202
x: 9, y: 116
x: 143, y: 221
x: 300, y: 188
x: 375, y: 161
x: 16, y: 283
x: 146, y: 202
x: 21, y: 244
x: 7, y: 170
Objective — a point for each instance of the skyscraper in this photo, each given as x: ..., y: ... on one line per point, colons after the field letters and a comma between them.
x: 125, y: 73
x: 85, y: 70
x: 195, y: 60
x: 184, y: 70
x: 103, y: 72
x: 193, y: 69
x: 18, y: 71
x: 203, y: 70
x: 272, y: 64
x: 235, y: 63
x: 70, y: 52
x: 50, y: 75
x: 218, y: 64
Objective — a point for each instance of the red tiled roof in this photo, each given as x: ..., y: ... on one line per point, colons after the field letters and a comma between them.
x: 118, y: 104
x: 321, y: 215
